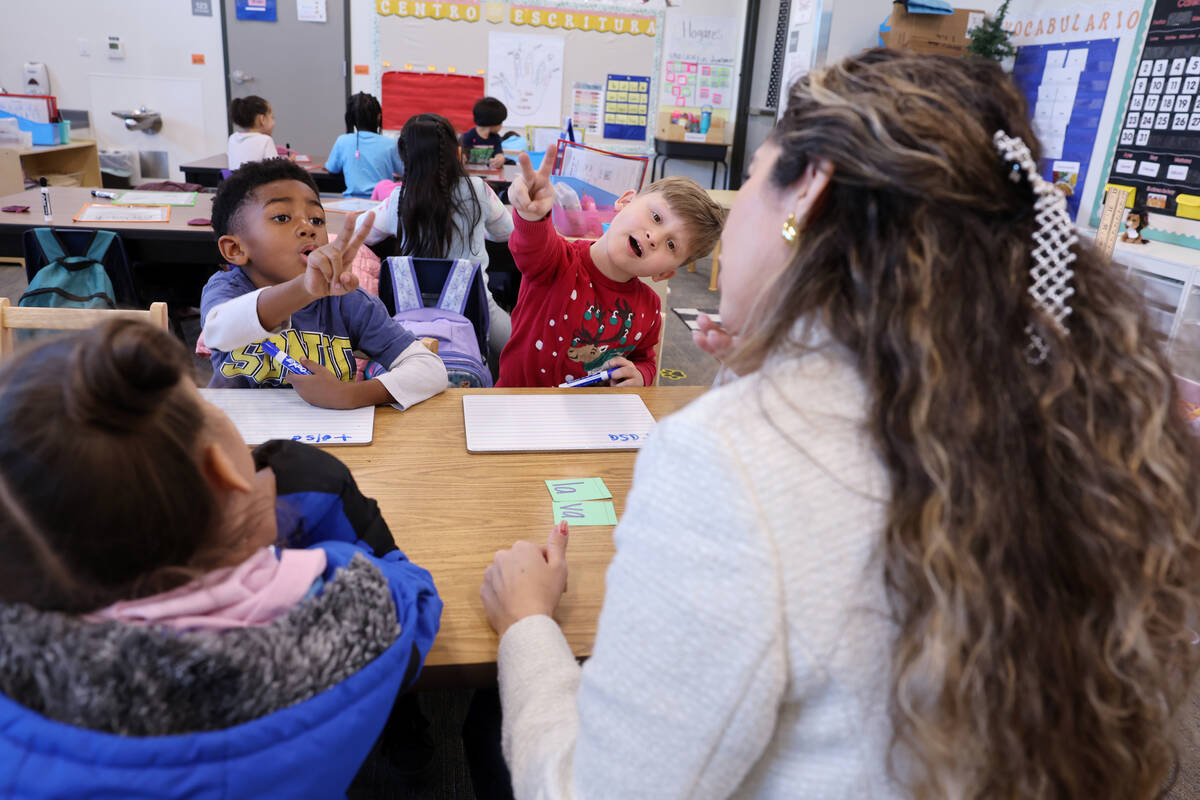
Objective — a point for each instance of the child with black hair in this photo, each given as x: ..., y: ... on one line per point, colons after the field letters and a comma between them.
x: 181, y: 615
x: 489, y: 114
x: 255, y: 122
x: 362, y: 154
x: 289, y: 284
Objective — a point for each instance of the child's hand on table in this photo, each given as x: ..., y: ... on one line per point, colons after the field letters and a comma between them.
x: 328, y: 270
x: 712, y: 338
x: 531, y: 192
x: 322, y: 388
x: 496, y: 161
x: 624, y: 373
x: 525, y: 581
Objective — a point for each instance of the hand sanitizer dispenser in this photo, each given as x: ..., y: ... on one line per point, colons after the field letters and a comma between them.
x: 36, y: 78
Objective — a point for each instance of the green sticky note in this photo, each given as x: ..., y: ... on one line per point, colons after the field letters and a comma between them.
x: 575, y: 489
x: 586, y: 513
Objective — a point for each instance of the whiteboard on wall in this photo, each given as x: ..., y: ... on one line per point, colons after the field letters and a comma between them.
x: 587, y: 56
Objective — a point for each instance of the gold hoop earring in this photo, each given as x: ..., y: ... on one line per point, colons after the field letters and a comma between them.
x: 791, y: 230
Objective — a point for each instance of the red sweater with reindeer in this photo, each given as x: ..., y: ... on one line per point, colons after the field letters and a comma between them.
x: 570, y: 319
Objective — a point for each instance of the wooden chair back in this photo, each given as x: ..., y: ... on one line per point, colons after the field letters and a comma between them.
x: 13, y: 318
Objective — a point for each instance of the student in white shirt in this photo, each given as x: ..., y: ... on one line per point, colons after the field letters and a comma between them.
x: 941, y: 537
x: 440, y: 212
x: 255, y: 122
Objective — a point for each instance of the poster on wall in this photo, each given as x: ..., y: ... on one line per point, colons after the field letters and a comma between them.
x: 587, y: 106
x: 626, y: 106
x: 1157, y: 155
x: 310, y: 10
x: 525, y: 71
x: 1065, y: 86
x: 699, y: 59
x: 798, y: 51
x: 261, y: 10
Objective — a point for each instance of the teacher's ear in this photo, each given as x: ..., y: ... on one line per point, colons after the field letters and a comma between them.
x: 809, y: 192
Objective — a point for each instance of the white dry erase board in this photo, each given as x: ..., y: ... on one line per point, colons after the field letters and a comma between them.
x: 517, y: 423
x: 264, y: 414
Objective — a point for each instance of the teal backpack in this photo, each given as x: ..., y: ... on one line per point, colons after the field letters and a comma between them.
x: 71, y: 281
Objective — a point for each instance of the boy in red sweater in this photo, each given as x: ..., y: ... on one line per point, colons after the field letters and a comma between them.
x: 583, y: 306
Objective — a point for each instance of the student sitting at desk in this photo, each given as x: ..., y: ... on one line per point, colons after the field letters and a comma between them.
x: 287, y: 283
x: 582, y: 305
x: 441, y: 212
x: 177, y: 614
x: 363, y: 155
x: 941, y: 538
x: 255, y: 122
x: 489, y: 115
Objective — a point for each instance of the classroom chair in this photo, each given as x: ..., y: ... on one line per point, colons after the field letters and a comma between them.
x: 663, y: 291
x: 75, y: 242
x: 65, y: 319
x: 431, y: 275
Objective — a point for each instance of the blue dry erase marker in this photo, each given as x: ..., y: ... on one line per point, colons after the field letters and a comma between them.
x: 588, y: 380
x: 285, y: 361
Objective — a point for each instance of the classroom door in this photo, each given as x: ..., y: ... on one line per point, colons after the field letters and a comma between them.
x: 300, y: 68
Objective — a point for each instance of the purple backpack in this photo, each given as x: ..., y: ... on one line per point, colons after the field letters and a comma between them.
x: 459, y: 340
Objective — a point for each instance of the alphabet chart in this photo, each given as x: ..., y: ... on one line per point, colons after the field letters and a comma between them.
x: 1157, y: 154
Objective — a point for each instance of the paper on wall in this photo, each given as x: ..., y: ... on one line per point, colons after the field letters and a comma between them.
x: 525, y: 72
x: 310, y: 10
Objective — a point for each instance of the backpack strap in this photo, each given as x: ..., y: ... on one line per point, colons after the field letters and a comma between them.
x: 456, y: 291
x: 52, y: 248
x: 405, y: 288
x: 100, y: 243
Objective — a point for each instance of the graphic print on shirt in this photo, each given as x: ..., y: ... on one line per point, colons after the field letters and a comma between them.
x: 252, y: 362
x: 607, y: 338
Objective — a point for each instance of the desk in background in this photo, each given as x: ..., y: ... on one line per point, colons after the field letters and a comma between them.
x: 79, y: 158
x: 498, y: 179
x: 451, y: 510
x: 693, y: 151
x: 207, y: 172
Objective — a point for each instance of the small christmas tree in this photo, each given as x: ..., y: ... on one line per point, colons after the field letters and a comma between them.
x: 990, y: 40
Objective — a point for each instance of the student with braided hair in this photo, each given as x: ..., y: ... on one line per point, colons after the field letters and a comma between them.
x: 362, y: 154
x: 440, y: 212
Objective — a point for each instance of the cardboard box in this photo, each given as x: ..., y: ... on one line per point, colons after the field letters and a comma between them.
x: 931, y: 34
x: 677, y: 133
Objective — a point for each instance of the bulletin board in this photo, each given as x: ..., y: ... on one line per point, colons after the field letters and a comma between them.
x: 1157, y: 152
x: 1065, y: 86
x: 461, y: 47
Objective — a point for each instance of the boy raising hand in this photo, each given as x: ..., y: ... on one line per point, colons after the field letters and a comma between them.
x: 583, y: 306
x: 290, y: 285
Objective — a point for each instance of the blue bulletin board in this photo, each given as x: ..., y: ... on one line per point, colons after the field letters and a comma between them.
x: 626, y: 106
x: 1065, y: 85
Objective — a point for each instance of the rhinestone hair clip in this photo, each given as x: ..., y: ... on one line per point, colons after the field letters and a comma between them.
x: 1053, y: 238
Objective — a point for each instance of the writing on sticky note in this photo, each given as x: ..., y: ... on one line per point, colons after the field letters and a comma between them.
x: 576, y: 489
x: 593, y: 512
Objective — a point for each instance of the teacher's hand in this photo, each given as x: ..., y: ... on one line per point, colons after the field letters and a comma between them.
x: 526, y: 580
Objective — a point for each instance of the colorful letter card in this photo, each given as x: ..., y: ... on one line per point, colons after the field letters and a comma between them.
x: 575, y: 489
x: 582, y: 513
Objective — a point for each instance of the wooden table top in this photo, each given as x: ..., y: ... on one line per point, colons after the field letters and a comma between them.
x: 451, y: 510
x: 723, y: 197
x: 67, y: 201
x: 221, y: 161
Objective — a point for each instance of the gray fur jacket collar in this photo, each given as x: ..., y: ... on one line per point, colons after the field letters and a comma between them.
x: 147, y: 681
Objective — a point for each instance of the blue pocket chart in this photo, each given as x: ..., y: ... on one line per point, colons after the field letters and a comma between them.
x: 262, y: 10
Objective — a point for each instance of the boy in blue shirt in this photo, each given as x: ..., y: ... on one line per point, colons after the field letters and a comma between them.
x: 363, y: 155
x: 288, y: 284
x: 489, y: 114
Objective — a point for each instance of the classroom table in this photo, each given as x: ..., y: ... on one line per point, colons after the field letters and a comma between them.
x: 207, y: 172
x: 450, y: 511
x: 498, y: 179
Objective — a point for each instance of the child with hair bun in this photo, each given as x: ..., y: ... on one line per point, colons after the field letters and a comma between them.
x: 177, y: 613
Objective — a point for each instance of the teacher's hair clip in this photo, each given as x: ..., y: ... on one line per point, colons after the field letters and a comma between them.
x: 1053, y: 238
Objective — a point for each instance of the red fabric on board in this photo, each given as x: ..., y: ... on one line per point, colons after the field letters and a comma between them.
x: 409, y: 93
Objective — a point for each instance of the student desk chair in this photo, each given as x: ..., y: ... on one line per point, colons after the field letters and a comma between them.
x: 65, y: 319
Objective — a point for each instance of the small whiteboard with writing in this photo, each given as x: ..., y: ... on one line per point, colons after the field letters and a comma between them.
x: 264, y: 414
x: 517, y: 423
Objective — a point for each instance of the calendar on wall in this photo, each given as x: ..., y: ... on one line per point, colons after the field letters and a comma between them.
x: 1157, y: 154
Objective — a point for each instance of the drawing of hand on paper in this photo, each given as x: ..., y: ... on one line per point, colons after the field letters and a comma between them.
x: 528, y: 77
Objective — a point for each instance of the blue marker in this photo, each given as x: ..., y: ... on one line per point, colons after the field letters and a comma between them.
x: 285, y: 361
x: 588, y: 380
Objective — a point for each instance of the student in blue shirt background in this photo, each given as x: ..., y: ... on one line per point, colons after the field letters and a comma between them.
x: 363, y: 155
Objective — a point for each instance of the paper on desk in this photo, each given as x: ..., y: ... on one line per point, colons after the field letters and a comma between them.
x: 263, y: 414
x: 575, y: 489
x: 524, y: 423
x: 584, y: 513
x: 103, y: 212
x: 351, y: 204
x: 139, y: 198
